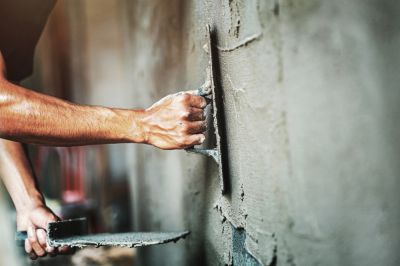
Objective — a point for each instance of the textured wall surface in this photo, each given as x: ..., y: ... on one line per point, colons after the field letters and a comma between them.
x: 311, y: 94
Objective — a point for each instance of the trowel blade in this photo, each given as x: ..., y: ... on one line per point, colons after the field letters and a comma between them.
x: 74, y: 233
x: 132, y: 239
x: 218, y: 111
x: 212, y: 88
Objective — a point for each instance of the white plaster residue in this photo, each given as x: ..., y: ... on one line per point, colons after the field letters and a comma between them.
x: 242, y: 43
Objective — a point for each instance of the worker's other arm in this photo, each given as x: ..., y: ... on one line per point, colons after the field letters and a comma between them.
x: 175, y: 122
x: 32, y: 213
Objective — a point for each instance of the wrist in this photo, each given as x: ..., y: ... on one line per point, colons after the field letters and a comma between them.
x: 31, y: 201
x: 133, y: 129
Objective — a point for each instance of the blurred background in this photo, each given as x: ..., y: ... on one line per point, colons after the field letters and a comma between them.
x: 311, y: 94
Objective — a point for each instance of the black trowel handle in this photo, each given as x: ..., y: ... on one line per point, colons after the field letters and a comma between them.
x: 20, y: 237
x: 204, y: 90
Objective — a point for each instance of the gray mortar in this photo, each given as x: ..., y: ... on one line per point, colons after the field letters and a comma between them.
x: 312, y: 102
x: 134, y: 239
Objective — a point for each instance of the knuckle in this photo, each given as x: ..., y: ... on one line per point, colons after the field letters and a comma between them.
x: 185, y: 127
x: 184, y: 97
x: 185, y: 113
x: 51, y: 217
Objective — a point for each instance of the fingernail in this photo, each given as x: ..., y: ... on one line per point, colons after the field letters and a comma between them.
x: 202, y: 139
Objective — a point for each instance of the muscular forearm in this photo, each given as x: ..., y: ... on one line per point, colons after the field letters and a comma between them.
x: 18, y: 177
x: 31, y: 117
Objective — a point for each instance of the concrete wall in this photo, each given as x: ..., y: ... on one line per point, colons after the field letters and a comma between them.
x: 311, y: 94
x: 311, y: 97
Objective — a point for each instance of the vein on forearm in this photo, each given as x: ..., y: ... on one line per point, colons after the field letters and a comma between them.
x: 31, y: 117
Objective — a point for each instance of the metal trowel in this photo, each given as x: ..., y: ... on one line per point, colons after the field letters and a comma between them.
x: 212, y: 89
x: 74, y: 233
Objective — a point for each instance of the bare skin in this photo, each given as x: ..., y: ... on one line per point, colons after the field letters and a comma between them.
x: 32, y: 213
x: 174, y: 122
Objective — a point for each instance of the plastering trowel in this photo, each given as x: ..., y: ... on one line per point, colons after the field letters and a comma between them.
x: 212, y: 89
x: 74, y: 233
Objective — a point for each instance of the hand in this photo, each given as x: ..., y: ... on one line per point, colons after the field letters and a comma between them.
x: 175, y: 122
x: 35, y: 221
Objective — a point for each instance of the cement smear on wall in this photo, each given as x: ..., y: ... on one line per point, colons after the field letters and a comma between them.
x: 311, y: 100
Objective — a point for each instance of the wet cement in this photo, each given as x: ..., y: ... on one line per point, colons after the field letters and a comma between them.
x: 133, y: 239
x: 311, y: 99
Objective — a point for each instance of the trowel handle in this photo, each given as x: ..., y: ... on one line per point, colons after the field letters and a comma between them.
x: 20, y: 237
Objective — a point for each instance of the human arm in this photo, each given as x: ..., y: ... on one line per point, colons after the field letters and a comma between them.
x: 32, y: 213
x: 175, y: 122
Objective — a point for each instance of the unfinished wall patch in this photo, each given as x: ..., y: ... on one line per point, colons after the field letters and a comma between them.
x: 241, y: 256
x: 234, y: 8
x: 243, y: 25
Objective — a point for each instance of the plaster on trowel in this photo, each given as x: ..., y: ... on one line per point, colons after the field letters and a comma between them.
x: 211, y: 88
x: 74, y: 233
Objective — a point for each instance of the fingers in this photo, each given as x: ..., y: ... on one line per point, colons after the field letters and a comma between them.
x: 197, y: 101
x: 50, y: 250
x: 193, y: 100
x: 29, y: 251
x: 196, y: 139
x: 196, y: 127
x: 65, y: 250
x: 42, y: 237
x: 34, y: 242
x: 195, y: 114
x: 176, y: 121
